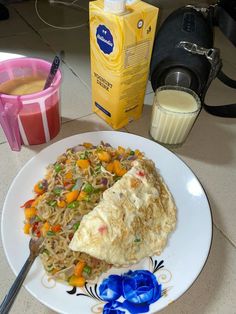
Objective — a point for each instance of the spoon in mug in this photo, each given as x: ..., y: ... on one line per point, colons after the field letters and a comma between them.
x: 53, y: 70
x: 35, y: 247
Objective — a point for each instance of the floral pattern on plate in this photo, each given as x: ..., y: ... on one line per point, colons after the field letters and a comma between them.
x: 130, y: 292
x: 138, y: 288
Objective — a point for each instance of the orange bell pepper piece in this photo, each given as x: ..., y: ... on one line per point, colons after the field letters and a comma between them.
x: 79, y: 268
x: 83, y: 163
x: 76, y: 281
x: 104, y: 156
x: 72, y: 196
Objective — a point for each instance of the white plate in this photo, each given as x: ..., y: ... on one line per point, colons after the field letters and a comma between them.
x: 183, y: 258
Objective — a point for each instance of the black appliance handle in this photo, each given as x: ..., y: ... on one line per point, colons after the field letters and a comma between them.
x: 225, y: 111
x: 225, y: 18
x: 227, y: 24
x: 226, y: 80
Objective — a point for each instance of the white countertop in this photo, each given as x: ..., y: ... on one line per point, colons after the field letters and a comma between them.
x: 210, y: 150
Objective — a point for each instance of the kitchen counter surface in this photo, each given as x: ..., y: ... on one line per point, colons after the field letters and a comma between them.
x: 210, y: 150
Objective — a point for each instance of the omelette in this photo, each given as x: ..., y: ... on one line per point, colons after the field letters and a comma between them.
x: 132, y: 220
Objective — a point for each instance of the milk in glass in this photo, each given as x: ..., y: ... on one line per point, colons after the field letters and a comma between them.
x: 175, y: 110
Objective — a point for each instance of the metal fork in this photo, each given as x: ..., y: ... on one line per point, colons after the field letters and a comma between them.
x: 34, y: 246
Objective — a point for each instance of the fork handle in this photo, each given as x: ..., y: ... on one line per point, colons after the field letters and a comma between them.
x: 12, y: 293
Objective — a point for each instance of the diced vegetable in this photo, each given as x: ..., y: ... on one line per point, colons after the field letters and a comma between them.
x: 77, y: 281
x: 84, y: 155
x: 104, y: 156
x: 50, y: 233
x: 27, y: 227
x: 27, y: 204
x: 57, y: 168
x: 35, y: 226
x: 52, y: 203
x: 87, y: 269
x: 121, y: 171
x: 110, y: 167
x: 138, y: 153
x: 132, y: 153
x: 82, y: 196
x: 79, y: 267
x: 38, y: 233
x: 69, y: 175
x: 88, y: 188
x: 39, y: 188
x: 61, y: 204
x: 45, y: 228
x: 97, y: 169
x: 57, y: 191
x: 118, y: 169
x: 76, y: 225
x: 68, y: 185
x: 35, y: 202
x: 83, y: 163
x: 35, y: 229
x: 30, y: 212
x: 72, y: 196
x: 87, y: 145
x: 56, y: 228
x: 141, y: 173
x: 121, y: 150
x: 104, y: 181
x: 73, y: 204
x: 116, y: 165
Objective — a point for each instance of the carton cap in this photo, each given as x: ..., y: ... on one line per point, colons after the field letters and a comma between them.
x: 114, y: 6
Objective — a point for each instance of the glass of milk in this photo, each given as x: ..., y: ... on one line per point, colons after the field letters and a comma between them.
x: 174, y: 112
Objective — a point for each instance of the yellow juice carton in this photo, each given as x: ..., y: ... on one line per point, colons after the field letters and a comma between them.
x: 121, y: 47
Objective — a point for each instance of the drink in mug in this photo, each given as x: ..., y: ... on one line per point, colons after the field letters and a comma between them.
x: 30, y: 117
x: 29, y: 114
x: 23, y: 85
x: 175, y: 110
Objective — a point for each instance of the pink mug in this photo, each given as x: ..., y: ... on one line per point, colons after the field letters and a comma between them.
x: 33, y: 118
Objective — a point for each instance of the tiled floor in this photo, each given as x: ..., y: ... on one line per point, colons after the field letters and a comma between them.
x: 210, y: 149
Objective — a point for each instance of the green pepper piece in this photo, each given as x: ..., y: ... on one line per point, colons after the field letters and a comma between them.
x: 51, y: 233
x: 98, y: 168
x: 84, y: 155
x: 88, y: 188
x: 57, y: 168
x: 52, y: 203
x: 37, y: 218
x: 73, y: 204
x: 57, y: 191
x: 132, y: 153
x: 40, y: 185
x: 76, y: 225
x: 87, y: 269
